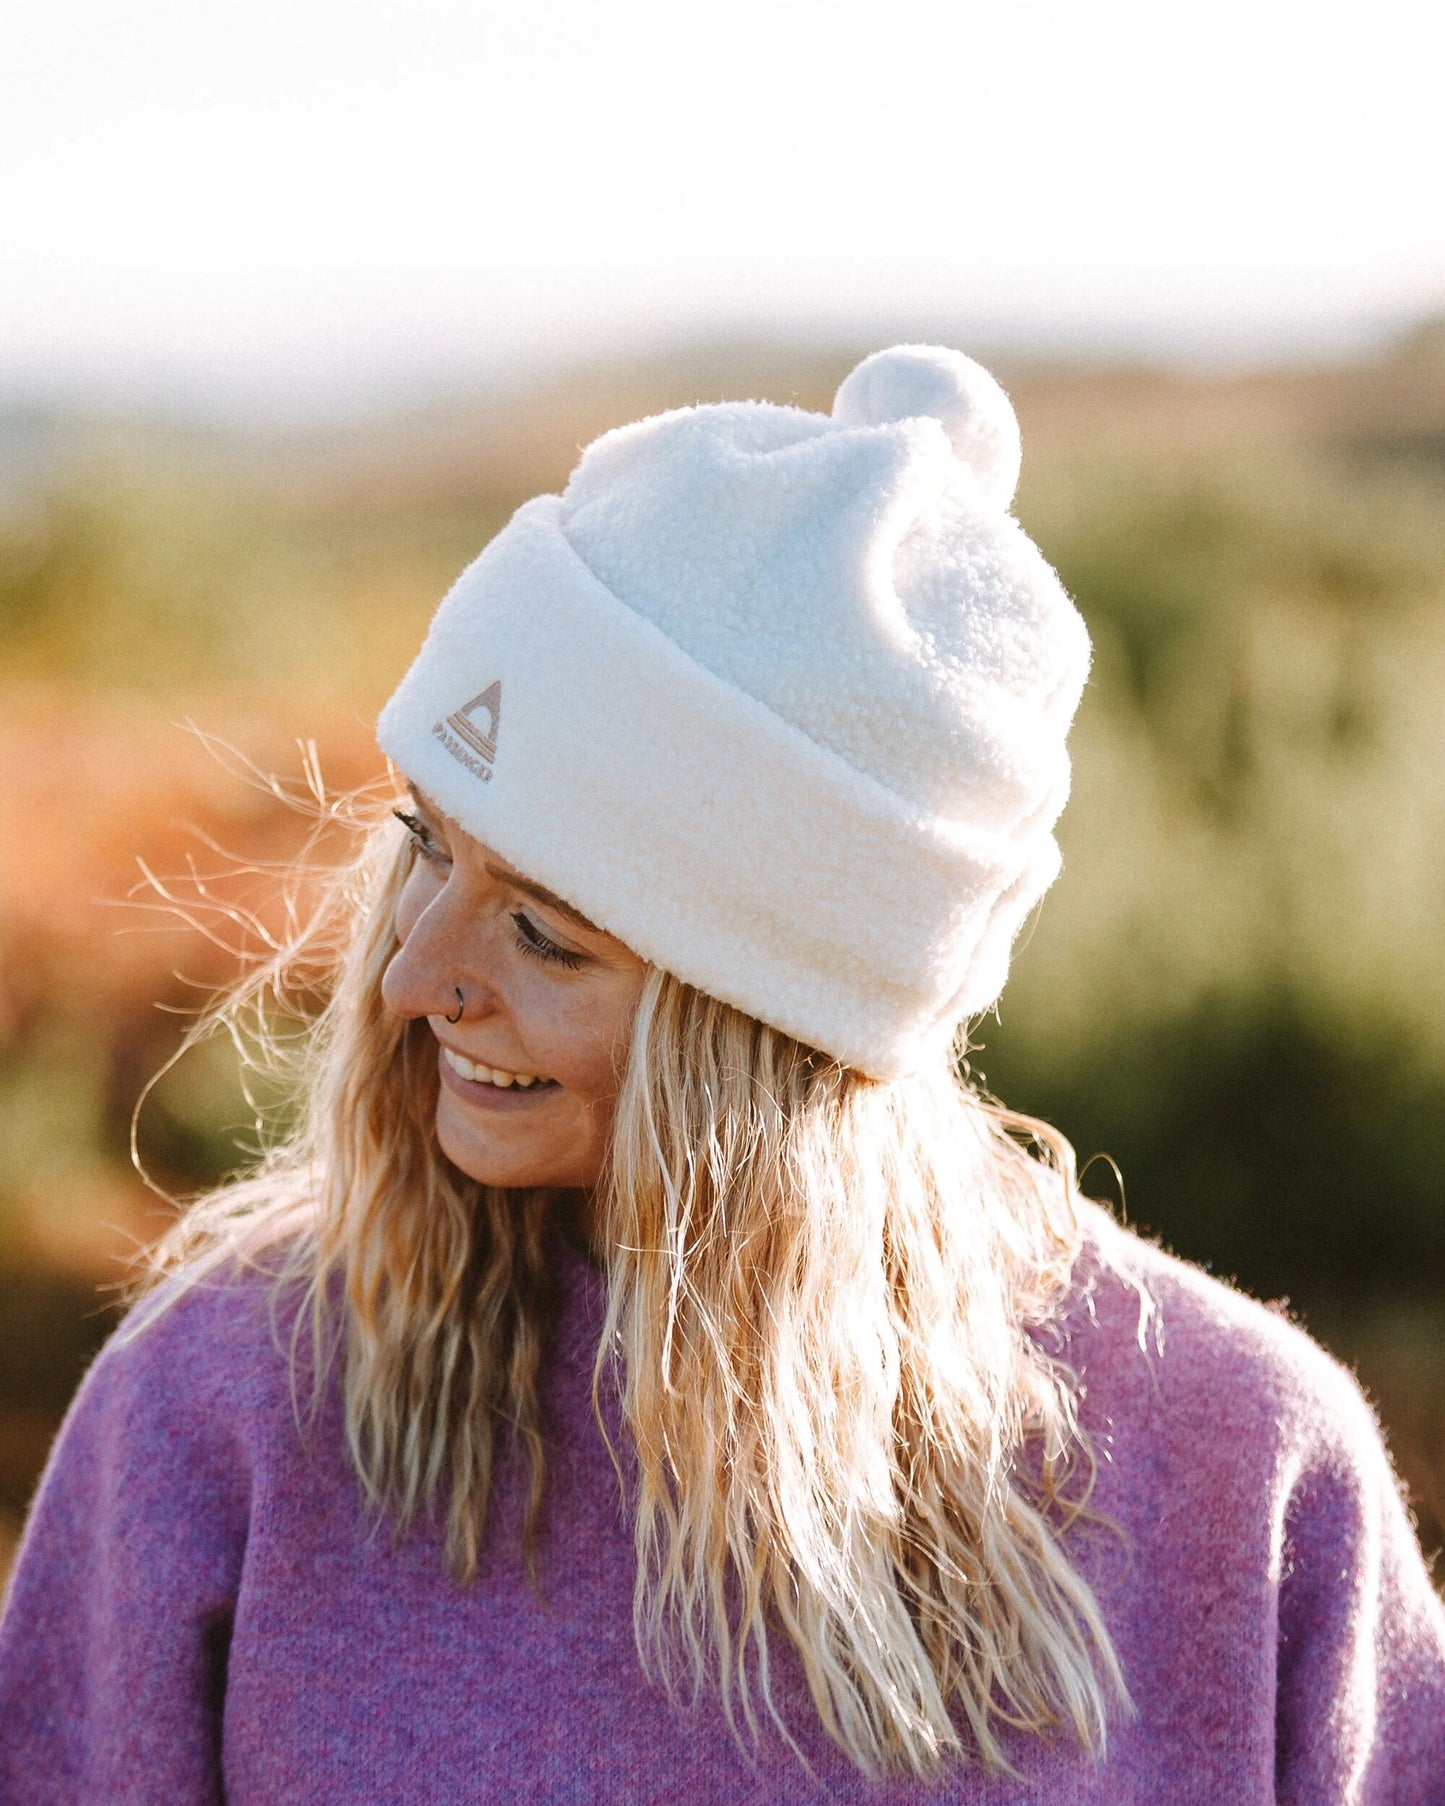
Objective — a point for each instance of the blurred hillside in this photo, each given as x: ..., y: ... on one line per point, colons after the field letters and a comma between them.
x: 1237, y: 991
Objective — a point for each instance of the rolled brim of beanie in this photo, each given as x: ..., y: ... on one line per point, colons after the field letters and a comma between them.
x: 719, y: 842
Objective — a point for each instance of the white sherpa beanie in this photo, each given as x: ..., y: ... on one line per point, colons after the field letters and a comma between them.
x: 777, y: 698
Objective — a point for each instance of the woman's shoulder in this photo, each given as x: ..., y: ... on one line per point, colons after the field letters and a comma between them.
x: 198, y: 1357
x: 113, y: 1636
x: 1250, y: 1476
x: 1146, y: 1327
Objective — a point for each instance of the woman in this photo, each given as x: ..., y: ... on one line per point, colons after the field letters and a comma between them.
x: 647, y: 1374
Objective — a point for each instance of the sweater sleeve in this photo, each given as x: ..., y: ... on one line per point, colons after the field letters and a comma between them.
x: 115, y: 1632
x: 1361, y: 1674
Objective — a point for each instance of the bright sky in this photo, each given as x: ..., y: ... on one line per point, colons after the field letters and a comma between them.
x: 302, y: 192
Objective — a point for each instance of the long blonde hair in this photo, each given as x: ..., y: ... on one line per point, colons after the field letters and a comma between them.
x: 824, y: 1294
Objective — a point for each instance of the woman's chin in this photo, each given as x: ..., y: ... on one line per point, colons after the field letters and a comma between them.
x: 506, y: 1156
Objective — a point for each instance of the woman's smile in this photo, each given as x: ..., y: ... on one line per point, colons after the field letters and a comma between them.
x: 492, y: 1087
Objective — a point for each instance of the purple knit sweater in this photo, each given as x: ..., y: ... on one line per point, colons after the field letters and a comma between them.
x: 203, y: 1611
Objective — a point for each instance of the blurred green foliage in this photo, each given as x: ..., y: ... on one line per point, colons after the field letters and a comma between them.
x: 173, y: 576
x: 1238, y: 989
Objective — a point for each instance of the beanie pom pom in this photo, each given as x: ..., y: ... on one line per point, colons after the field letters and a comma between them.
x: 909, y: 382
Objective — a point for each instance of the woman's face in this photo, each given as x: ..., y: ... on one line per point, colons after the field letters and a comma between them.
x: 530, y: 1071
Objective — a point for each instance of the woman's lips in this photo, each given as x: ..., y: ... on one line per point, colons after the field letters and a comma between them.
x: 493, y: 1097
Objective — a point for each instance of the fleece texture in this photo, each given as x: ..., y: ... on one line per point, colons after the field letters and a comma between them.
x: 777, y: 698
x: 203, y: 1610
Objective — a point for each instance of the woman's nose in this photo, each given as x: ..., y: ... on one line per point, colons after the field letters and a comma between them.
x: 442, y: 951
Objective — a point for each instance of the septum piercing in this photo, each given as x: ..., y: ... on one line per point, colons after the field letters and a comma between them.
x: 461, y: 1005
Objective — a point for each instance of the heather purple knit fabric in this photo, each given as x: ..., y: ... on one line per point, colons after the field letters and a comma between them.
x: 202, y: 1610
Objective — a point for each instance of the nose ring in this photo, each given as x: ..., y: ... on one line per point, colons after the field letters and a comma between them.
x: 461, y: 1005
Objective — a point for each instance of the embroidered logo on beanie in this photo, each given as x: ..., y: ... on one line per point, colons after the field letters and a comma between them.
x: 462, y: 735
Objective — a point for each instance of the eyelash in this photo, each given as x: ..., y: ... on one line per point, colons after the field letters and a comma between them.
x: 530, y: 938
x: 535, y: 944
x: 421, y: 836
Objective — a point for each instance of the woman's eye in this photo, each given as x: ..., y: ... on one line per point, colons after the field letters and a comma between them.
x: 536, y: 945
x: 422, y: 839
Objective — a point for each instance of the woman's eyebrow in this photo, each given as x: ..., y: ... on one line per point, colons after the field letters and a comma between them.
x: 504, y: 874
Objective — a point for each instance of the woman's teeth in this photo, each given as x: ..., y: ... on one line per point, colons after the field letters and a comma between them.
x: 490, y: 1075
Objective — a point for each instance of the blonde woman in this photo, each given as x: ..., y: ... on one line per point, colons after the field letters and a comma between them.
x: 647, y: 1373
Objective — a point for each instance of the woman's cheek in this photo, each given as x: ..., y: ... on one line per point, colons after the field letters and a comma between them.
x: 548, y: 1028
x: 597, y: 1037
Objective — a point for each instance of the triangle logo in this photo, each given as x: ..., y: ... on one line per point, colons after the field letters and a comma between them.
x: 470, y: 732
